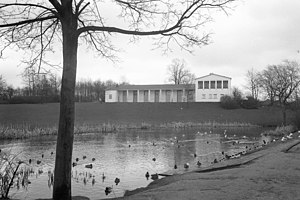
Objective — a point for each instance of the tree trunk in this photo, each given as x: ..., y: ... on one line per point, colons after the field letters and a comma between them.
x: 284, y: 115
x: 64, y: 146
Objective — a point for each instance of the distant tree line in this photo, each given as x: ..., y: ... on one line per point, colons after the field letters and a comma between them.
x: 45, y: 88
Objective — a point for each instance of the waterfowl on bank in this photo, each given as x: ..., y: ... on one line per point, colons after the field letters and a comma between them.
x: 154, y: 176
x: 29, y: 160
x: 38, y: 162
x: 42, y: 155
x: 195, y: 155
x: 215, y: 160
x: 186, y: 165
x: 117, y: 181
x: 90, y: 166
x: 147, y: 175
x: 283, y: 139
x: 77, y: 159
x: 154, y: 159
x: 175, y: 166
x: 83, y: 157
x: 51, y: 153
x: 93, y: 159
x: 74, y: 164
x: 108, y: 190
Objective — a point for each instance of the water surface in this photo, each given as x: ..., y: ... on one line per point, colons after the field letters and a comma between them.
x: 126, y: 155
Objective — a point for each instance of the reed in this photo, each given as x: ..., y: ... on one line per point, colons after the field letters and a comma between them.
x: 23, y: 131
x: 280, y: 131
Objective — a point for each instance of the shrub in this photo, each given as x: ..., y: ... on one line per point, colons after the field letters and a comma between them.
x: 8, y: 172
x: 228, y: 102
x: 297, y: 118
x: 34, y: 99
x: 250, y: 103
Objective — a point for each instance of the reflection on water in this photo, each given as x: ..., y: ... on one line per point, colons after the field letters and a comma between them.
x: 126, y: 156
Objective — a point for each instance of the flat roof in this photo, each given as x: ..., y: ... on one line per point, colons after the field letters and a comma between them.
x: 154, y: 87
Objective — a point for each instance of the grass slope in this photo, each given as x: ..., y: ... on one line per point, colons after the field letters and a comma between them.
x: 138, y: 113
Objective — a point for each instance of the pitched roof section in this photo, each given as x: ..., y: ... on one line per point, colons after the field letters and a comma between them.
x: 154, y: 87
x: 213, y: 74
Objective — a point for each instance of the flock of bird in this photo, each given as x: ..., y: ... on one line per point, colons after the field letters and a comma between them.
x: 155, y: 176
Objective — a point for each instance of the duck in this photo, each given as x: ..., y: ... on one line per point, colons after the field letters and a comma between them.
x: 195, y: 155
x: 29, y: 160
x: 147, y: 175
x: 83, y: 157
x: 51, y: 153
x: 108, y: 190
x: 103, y: 177
x: 175, y: 166
x: 215, y: 160
x: 117, y: 181
x: 42, y: 155
x: 154, y: 176
x: 74, y: 164
x: 93, y: 159
x: 90, y: 166
x: 38, y: 162
x: 154, y: 159
x: 198, y: 163
x: 186, y: 165
x: 77, y: 159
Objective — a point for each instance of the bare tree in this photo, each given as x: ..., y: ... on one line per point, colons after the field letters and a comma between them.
x: 2, y: 86
x: 253, y: 82
x: 282, y: 81
x: 178, y: 72
x: 36, y: 25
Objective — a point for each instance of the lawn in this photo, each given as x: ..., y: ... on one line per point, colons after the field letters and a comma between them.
x: 42, y: 115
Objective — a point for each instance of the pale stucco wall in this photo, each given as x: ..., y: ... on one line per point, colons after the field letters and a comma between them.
x: 211, y: 95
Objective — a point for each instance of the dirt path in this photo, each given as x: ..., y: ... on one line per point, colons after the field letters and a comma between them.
x: 271, y: 173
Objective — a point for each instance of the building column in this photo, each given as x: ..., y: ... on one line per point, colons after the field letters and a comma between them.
x: 160, y: 96
x: 138, y: 95
x: 127, y: 96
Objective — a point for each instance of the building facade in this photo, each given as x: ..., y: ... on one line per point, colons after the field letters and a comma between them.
x: 151, y: 93
x: 208, y: 88
x: 212, y: 87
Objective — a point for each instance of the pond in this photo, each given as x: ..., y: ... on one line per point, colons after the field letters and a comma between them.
x: 126, y: 155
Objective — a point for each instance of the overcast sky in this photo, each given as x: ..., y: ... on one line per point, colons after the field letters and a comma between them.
x: 255, y: 34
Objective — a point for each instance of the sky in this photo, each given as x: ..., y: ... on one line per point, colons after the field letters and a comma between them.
x: 255, y: 34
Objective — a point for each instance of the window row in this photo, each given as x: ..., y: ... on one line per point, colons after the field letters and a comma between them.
x: 212, y: 84
x: 211, y: 96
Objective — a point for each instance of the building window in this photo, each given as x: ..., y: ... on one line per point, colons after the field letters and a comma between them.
x: 200, y: 84
x: 219, y: 84
x: 210, y: 96
x: 206, y: 84
x: 110, y: 96
x: 203, y: 96
x: 212, y: 84
x: 215, y: 96
x: 225, y: 84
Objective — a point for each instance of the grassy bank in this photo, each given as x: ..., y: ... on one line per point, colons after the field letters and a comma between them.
x: 29, y: 119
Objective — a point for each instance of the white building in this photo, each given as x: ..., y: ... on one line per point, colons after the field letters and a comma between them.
x: 151, y: 93
x: 208, y: 88
x: 212, y: 87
